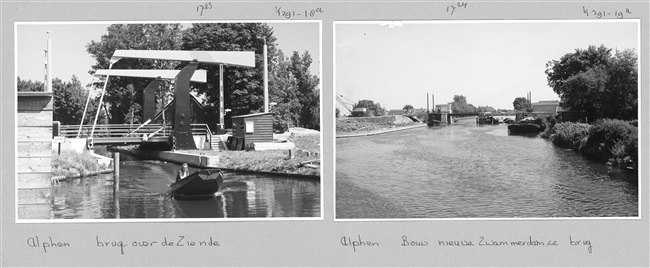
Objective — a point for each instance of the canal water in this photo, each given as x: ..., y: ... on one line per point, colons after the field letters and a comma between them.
x: 469, y: 171
x: 144, y: 186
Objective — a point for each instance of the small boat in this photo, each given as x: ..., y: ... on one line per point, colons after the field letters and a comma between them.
x: 523, y: 128
x: 487, y: 120
x: 433, y: 122
x: 198, y: 185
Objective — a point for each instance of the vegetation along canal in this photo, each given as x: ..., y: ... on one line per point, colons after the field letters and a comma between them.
x: 144, y: 186
x: 469, y: 171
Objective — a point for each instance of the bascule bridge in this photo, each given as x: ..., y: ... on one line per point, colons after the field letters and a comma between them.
x: 180, y: 133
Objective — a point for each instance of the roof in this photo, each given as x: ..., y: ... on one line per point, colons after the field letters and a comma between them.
x: 250, y: 115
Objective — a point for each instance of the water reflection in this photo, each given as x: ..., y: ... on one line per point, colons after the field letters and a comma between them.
x: 465, y: 171
x: 144, y: 187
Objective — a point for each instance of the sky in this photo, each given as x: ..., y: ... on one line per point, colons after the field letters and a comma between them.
x: 69, y: 40
x: 489, y: 62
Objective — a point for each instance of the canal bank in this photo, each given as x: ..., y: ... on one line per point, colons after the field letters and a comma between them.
x: 272, y: 162
x: 377, y: 132
x: 610, y: 141
x: 71, y: 165
x: 367, y: 126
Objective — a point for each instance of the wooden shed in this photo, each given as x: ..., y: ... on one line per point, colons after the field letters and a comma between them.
x: 251, y: 128
x: 34, y: 154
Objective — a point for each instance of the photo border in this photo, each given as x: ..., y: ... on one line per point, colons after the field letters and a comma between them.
x: 641, y: 141
x: 321, y: 217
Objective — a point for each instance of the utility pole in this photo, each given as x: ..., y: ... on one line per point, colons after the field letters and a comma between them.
x: 266, y: 81
x: 48, y: 64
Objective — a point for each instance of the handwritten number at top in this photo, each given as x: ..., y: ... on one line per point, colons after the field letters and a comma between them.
x: 452, y: 8
x: 201, y: 8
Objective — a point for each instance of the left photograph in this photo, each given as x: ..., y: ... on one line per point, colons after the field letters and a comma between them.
x: 168, y: 120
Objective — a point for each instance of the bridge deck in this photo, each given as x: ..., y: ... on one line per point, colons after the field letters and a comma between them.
x: 128, y: 134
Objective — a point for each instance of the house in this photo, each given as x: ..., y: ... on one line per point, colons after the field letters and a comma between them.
x: 544, y: 109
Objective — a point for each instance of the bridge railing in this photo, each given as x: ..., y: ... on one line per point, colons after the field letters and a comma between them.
x: 115, y: 130
x: 202, y: 129
x: 128, y: 130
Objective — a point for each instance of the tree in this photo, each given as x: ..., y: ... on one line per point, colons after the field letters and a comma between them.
x: 484, y: 109
x: 594, y: 81
x: 521, y: 104
x: 408, y: 108
x: 28, y: 85
x: 283, y: 91
x: 622, y: 100
x: 372, y: 108
x: 338, y: 112
x: 295, y: 92
x: 69, y: 102
x: 243, y: 89
x: 460, y: 105
x: 124, y: 94
x: 308, y: 92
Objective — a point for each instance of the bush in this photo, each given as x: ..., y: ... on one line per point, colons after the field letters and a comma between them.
x: 612, y: 140
x: 70, y: 164
x: 569, y: 134
x: 548, y: 125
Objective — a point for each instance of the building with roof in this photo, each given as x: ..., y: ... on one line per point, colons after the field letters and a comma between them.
x: 544, y: 109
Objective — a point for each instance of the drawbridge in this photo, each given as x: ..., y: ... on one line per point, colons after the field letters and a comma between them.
x: 180, y: 133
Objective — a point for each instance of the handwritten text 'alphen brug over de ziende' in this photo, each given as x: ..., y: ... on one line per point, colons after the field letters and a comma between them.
x: 175, y: 241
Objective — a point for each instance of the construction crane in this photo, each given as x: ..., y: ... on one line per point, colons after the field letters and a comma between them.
x: 343, y: 103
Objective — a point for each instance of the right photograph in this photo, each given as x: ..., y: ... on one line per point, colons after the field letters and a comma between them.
x: 487, y: 119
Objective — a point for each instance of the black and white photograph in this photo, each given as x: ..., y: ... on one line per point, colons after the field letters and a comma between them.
x: 487, y: 119
x: 325, y: 133
x: 168, y: 120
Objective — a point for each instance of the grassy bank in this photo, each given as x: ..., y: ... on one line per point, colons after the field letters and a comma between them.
x: 350, y: 125
x: 307, y: 152
x: 70, y: 164
x: 610, y: 141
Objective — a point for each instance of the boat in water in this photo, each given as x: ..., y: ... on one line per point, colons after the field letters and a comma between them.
x: 525, y: 126
x: 487, y: 120
x: 433, y: 122
x: 198, y: 185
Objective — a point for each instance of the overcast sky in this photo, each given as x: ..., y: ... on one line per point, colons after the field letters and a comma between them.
x: 489, y: 62
x: 69, y: 42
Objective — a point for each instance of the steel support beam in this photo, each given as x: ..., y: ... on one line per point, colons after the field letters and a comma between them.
x: 182, y: 137
x: 199, y: 76
x: 230, y: 58
x: 149, y: 100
